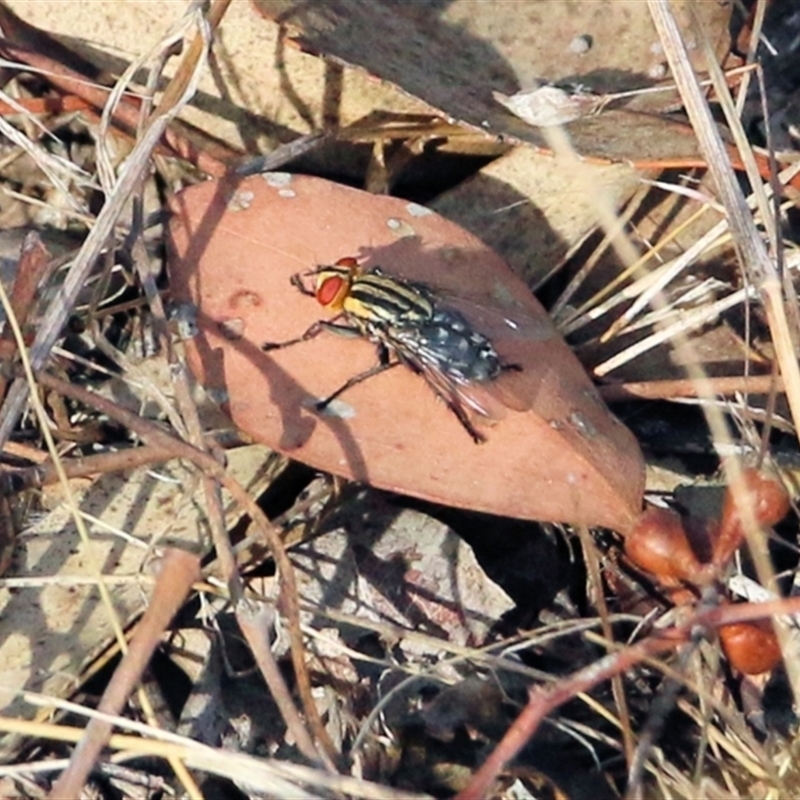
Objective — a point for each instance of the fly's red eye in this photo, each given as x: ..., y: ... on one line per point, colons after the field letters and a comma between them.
x: 330, y: 290
x: 347, y: 261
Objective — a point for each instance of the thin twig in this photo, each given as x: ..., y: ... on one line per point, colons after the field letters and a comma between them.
x: 686, y: 387
x: 179, y: 569
x: 17, y: 480
x: 255, y: 620
x: 194, y: 54
x: 617, y: 686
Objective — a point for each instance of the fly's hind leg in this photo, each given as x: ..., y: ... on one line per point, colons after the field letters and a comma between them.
x: 513, y: 367
x: 463, y: 417
x: 457, y: 407
x: 449, y: 398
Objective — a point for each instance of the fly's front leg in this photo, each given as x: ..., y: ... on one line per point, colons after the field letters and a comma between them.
x: 313, y: 331
x: 297, y: 281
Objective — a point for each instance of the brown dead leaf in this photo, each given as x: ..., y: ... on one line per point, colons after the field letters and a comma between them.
x: 454, y: 55
x: 564, y: 457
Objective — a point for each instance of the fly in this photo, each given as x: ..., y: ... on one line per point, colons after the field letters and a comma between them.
x: 410, y: 325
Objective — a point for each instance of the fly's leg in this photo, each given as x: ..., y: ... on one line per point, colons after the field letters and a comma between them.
x: 463, y: 417
x: 452, y: 402
x: 297, y: 281
x: 315, y: 330
x: 461, y: 414
x: 383, y: 364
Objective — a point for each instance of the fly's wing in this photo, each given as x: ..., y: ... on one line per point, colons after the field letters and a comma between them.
x: 504, y: 336
x: 494, y: 313
x: 458, y: 363
x: 514, y: 332
x: 460, y: 397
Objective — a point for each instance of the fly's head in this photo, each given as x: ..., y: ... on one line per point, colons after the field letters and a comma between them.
x: 333, y: 284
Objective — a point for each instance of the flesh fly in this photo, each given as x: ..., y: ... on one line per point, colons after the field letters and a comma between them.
x: 410, y: 325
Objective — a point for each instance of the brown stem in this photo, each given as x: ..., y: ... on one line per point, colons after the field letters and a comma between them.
x: 255, y: 621
x: 177, y: 86
x: 32, y: 268
x: 685, y: 387
x: 17, y: 480
x: 542, y: 701
x: 179, y: 570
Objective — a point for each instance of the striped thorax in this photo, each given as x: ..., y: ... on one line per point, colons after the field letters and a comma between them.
x: 371, y: 296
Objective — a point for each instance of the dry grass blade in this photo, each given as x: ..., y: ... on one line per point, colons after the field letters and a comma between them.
x: 667, y: 274
x: 686, y: 323
x: 269, y: 776
x: 130, y: 175
x: 646, y: 289
x: 61, y: 172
